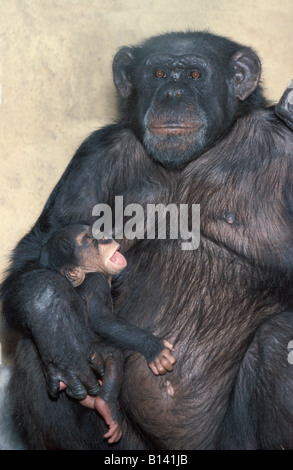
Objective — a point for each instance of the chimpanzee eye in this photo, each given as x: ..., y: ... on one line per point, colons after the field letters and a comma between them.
x: 86, y: 240
x: 105, y: 239
x: 195, y: 74
x: 159, y: 74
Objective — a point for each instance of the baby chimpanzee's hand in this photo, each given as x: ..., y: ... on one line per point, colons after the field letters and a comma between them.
x: 164, y: 361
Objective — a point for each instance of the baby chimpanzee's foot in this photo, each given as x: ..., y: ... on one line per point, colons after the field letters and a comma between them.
x: 114, y: 433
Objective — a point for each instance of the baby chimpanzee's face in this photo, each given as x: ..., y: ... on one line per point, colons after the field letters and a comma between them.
x: 98, y: 255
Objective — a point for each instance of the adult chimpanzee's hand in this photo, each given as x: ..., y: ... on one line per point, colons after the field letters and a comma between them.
x: 70, y: 354
x: 79, y: 368
x: 79, y: 379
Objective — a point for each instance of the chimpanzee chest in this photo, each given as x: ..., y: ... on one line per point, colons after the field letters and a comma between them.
x: 245, y: 208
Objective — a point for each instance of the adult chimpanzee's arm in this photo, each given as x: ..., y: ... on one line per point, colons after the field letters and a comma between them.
x: 72, y: 200
x: 56, y: 321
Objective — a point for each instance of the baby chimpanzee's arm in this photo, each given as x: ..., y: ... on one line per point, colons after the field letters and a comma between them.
x: 96, y: 290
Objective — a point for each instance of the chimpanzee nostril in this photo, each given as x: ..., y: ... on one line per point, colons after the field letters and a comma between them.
x: 174, y: 94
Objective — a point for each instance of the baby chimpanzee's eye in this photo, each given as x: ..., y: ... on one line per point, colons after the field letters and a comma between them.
x: 100, y: 237
x: 87, y: 240
x: 105, y: 239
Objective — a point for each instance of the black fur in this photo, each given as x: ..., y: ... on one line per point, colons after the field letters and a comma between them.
x: 221, y: 305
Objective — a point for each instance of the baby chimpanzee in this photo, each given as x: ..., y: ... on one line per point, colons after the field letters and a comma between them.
x: 73, y: 252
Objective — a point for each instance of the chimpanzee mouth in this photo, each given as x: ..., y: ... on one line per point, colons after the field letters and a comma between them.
x: 174, y: 144
x: 175, y: 129
x: 118, y: 259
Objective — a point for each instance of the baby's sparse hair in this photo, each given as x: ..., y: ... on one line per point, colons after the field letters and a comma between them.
x: 59, y: 250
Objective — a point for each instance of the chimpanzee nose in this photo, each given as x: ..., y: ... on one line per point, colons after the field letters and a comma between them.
x: 174, y: 93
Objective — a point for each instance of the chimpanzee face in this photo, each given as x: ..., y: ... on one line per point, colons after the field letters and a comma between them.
x: 182, y: 93
x: 98, y: 255
x: 175, y: 123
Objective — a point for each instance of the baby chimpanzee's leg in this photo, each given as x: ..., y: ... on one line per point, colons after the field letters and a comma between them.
x: 106, y: 402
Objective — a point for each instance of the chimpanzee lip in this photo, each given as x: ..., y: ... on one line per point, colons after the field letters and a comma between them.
x: 175, y: 128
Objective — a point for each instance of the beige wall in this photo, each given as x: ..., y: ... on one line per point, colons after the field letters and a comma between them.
x: 55, y: 75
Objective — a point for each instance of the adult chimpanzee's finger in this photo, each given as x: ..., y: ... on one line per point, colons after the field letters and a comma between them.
x: 53, y: 385
x: 83, y: 385
x: 97, y: 363
x: 75, y: 389
x: 93, y: 386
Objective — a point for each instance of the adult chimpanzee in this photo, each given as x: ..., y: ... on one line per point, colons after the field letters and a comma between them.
x: 194, y: 128
x: 69, y: 254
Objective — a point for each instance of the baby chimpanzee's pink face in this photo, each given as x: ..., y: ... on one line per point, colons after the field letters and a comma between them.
x: 99, y: 255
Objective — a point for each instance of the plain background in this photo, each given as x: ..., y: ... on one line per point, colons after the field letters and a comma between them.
x: 56, y: 79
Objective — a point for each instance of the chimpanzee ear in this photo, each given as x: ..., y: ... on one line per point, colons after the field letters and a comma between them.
x: 74, y: 275
x: 247, y: 69
x: 121, y: 64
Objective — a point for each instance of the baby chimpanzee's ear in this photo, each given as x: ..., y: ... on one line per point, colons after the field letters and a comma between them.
x: 74, y: 275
